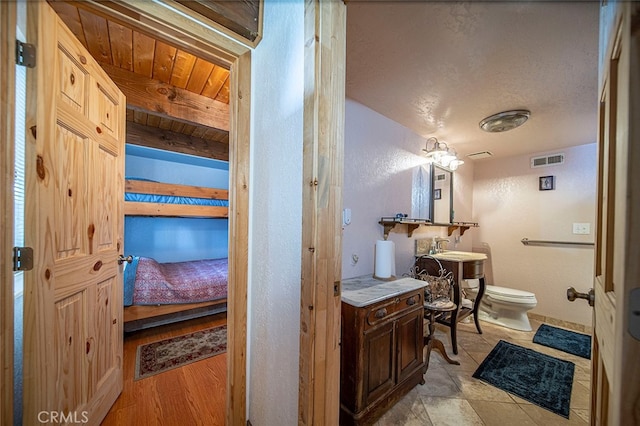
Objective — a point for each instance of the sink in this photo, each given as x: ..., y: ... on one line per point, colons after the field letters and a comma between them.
x: 460, y: 256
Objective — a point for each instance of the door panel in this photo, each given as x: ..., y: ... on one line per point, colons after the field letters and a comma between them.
x: 615, y: 351
x: 68, y: 337
x: 103, y: 109
x: 107, y: 202
x: 379, y: 361
x: 68, y: 203
x: 410, y: 336
x: 73, y: 297
x: 605, y: 319
x: 72, y: 82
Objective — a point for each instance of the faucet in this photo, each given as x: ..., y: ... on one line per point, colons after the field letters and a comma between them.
x: 439, y: 242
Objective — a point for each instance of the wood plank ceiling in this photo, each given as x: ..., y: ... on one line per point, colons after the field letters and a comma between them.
x: 175, y: 100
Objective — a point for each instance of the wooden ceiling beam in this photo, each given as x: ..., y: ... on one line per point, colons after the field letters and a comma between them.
x: 241, y: 17
x: 169, y: 101
x: 167, y: 140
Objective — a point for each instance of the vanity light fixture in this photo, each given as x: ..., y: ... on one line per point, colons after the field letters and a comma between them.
x: 506, y: 120
x: 440, y: 153
x: 453, y: 165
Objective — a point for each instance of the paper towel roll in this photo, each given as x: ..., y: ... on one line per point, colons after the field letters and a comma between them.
x: 385, y: 260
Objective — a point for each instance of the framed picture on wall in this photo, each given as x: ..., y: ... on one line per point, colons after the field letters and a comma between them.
x: 547, y: 183
x: 437, y: 194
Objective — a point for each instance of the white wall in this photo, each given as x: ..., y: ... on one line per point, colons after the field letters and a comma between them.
x: 509, y: 207
x: 275, y: 217
x: 379, y: 159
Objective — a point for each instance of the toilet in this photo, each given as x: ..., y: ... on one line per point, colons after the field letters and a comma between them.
x: 503, y: 306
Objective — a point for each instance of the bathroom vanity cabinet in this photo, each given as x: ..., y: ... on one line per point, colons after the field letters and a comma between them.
x: 381, y: 347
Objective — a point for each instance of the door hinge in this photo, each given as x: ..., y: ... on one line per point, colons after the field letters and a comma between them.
x: 22, y: 258
x: 25, y: 54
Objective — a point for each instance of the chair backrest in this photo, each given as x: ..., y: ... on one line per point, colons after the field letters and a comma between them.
x: 438, y: 288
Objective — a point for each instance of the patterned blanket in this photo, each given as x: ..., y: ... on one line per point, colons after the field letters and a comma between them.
x: 148, y: 282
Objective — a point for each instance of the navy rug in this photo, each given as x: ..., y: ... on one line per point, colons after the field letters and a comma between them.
x: 564, y: 340
x: 540, y: 379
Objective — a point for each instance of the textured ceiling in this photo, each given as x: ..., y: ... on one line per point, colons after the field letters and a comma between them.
x: 439, y: 68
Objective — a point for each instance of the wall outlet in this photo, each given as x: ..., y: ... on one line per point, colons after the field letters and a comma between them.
x: 582, y: 228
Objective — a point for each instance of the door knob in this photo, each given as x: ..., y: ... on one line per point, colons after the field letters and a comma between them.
x: 122, y: 259
x: 572, y: 295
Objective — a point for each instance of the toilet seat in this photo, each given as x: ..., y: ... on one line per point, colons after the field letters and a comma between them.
x: 510, y: 295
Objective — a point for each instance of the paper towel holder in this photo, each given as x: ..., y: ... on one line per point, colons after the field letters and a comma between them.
x: 384, y: 261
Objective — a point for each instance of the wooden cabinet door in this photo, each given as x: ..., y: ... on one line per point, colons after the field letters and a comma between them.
x: 74, y: 222
x: 379, y: 362
x: 410, y: 344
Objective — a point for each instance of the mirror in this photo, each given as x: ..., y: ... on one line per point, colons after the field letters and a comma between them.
x: 421, y: 199
x: 432, y: 194
x: 442, y: 184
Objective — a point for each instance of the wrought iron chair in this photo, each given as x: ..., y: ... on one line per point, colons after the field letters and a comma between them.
x: 437, y: 301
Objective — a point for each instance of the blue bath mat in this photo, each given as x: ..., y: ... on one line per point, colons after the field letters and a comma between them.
x: 540, y: 379
x: 564, y: 340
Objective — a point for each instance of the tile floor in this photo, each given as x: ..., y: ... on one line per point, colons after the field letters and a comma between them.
x: 451, y: 396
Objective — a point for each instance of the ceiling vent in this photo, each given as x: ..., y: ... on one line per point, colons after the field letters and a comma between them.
x: 547, y: 160
x: 479, y: 155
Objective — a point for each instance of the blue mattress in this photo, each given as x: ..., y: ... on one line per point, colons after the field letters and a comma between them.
x: 171, y: 199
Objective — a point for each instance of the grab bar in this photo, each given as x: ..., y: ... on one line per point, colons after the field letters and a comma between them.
x: 528, y: 242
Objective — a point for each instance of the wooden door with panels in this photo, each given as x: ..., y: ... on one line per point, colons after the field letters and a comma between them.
x: 74, y: 223
x: 616, y: 344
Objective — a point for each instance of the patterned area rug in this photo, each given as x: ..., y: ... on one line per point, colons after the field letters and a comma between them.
x: 564, y: 340
x: 157, y: 357
x: 540, y: 379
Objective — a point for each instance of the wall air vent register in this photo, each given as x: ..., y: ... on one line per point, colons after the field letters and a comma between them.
x: 479, y: 155
x: 547, y: 160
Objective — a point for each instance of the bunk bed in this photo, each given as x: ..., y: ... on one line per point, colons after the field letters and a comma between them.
x: 145, y: 197
x: 160, y: 293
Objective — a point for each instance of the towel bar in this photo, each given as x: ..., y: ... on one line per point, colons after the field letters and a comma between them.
x: 528, y: 242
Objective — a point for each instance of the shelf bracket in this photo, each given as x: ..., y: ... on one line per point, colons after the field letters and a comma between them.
x: 387, y: 228
x: 463, y: 228
x: 411, y: 227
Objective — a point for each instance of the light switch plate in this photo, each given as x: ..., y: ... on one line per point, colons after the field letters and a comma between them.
x: 582, y: 228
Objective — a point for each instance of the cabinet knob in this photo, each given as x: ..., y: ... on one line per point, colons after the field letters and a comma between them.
x: 411, y: 301
x: 380, y: 313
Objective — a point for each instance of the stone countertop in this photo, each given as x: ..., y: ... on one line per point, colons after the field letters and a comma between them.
x: 365, y: 290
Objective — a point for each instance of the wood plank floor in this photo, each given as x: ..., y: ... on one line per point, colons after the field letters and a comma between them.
x: 194, y: 394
